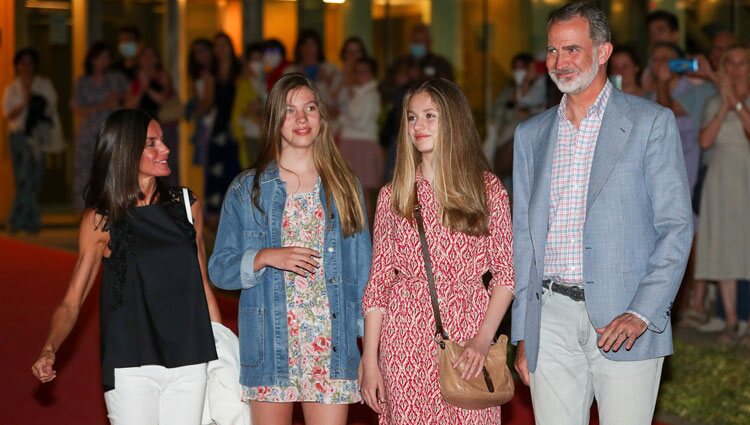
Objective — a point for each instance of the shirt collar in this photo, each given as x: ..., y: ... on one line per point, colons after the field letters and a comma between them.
x: 596, y: 109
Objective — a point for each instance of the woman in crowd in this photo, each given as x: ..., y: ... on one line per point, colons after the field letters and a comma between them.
x: 151, y: 91
x: 352, y: 51
x: 724, y: 240
x: 30, y: 106
x: 625, y: 67
x: 201, y: 106
x: 358, y: 130
x: 293, y: 237
x: 156, y: 302
x: 274, y: 61
x: 97, y: 93
x: 222, y: 163
x: 441, y: 169
x: 247, y: 111
x: 309, y: 60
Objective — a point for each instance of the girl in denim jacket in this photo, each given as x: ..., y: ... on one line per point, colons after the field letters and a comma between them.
x: 293, y: 236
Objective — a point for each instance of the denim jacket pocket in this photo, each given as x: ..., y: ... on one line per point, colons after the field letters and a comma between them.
x: 251, y: 332
x: 254, y: 239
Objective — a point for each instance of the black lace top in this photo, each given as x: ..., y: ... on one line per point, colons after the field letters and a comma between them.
x: 153, y: 305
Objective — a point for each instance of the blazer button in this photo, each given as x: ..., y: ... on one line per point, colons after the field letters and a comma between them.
x: 334, y: 315
x: 330, y: 249
x: 334, y: 348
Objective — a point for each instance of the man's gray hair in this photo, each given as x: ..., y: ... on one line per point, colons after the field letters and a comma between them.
x: 598, y: 25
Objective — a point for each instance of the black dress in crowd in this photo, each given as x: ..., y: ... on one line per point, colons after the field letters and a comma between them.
x: 222, y: 163
x: 153, y: 305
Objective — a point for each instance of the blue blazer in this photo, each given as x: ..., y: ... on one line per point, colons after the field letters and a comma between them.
x: 638, y: 228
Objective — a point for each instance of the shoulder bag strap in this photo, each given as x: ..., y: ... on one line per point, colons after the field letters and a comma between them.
x: 186, y: 200
x: 439, y: 330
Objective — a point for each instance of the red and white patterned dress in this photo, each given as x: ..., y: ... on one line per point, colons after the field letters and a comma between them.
x: 398, y: 287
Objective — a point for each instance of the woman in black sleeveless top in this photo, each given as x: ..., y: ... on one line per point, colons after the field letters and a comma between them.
x: 156, y: 303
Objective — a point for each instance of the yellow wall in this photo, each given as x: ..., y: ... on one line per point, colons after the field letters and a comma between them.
x: 334, y: 32
x: 508, y: 37
x: 7, y: 50
x: 280, y: 22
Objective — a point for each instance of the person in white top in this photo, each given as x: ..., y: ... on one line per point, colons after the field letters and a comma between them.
x: 30, y: 107
x: 358, y: 126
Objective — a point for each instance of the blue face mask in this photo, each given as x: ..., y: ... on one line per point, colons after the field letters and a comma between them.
x: 418, y: 50
x: 128, y: 49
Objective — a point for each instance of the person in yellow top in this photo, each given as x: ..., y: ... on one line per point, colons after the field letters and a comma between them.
x: 248, y: 105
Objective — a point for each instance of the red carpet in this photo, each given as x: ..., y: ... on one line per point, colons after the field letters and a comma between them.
x: 34, y: 280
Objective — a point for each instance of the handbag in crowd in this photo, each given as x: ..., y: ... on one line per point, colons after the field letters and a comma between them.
x: 494, y: 386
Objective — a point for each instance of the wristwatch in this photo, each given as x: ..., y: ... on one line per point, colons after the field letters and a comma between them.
x: 739, y: 106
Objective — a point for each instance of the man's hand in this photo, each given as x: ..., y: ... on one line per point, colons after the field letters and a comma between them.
x: 522, y: 366
x: 626, y: 326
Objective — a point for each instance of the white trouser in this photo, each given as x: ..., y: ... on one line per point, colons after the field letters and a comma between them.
x: 155, y: 395
x: 571, y: 372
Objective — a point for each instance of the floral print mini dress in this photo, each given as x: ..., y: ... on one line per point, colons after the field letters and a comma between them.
x: 308, y: 316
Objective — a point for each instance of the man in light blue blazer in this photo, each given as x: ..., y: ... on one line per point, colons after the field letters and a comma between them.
x: 602, y: 230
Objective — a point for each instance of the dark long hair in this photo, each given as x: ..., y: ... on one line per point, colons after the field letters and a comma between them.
x: 308, y: 34
x: 96, y: 50
x: 194, y: 67
x: 113, y: 187
x: 236, y: 65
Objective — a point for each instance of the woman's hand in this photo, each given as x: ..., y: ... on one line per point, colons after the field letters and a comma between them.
x: 294, y: 259
x: 726, y: 90
x: 371, y: 383
x: 42, y: 368
x: 471, y: 361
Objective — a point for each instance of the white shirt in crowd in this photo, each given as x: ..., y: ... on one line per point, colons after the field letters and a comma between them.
x: 359, y: 119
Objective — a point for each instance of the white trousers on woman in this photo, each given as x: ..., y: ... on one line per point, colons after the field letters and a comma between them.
x: 571, y: 372
x: 156, y: 395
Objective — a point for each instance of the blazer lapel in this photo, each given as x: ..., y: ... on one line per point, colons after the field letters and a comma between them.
x: 543, y: 152
x: 613, y: 134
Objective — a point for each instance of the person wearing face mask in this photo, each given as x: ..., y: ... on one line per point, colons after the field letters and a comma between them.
x: 420, y: 50
x: 128, y: 47
x: 522, y: 97
x: 248, y: 105
x: 274, y: 61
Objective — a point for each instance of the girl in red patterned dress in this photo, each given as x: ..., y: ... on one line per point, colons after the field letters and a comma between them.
x: 468, y: 228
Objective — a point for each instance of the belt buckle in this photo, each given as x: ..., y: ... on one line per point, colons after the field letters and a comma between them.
x: 576, y: 293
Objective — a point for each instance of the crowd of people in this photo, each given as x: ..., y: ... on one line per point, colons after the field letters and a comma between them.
x: 615, y: 170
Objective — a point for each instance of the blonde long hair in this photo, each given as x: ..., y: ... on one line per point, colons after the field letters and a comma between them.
x: 338, y: 179
x: 458, y: 161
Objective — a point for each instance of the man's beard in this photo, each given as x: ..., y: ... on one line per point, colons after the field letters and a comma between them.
x: 579, y: 82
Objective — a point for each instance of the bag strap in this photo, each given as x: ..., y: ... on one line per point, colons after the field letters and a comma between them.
x: 186, y: 200
x: 439, y: 330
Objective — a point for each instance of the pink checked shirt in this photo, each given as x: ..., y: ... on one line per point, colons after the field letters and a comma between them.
x: 571, y: 167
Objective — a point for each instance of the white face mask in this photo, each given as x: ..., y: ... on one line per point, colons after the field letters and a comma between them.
x: 272, y: 59
x: 519, y: 75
